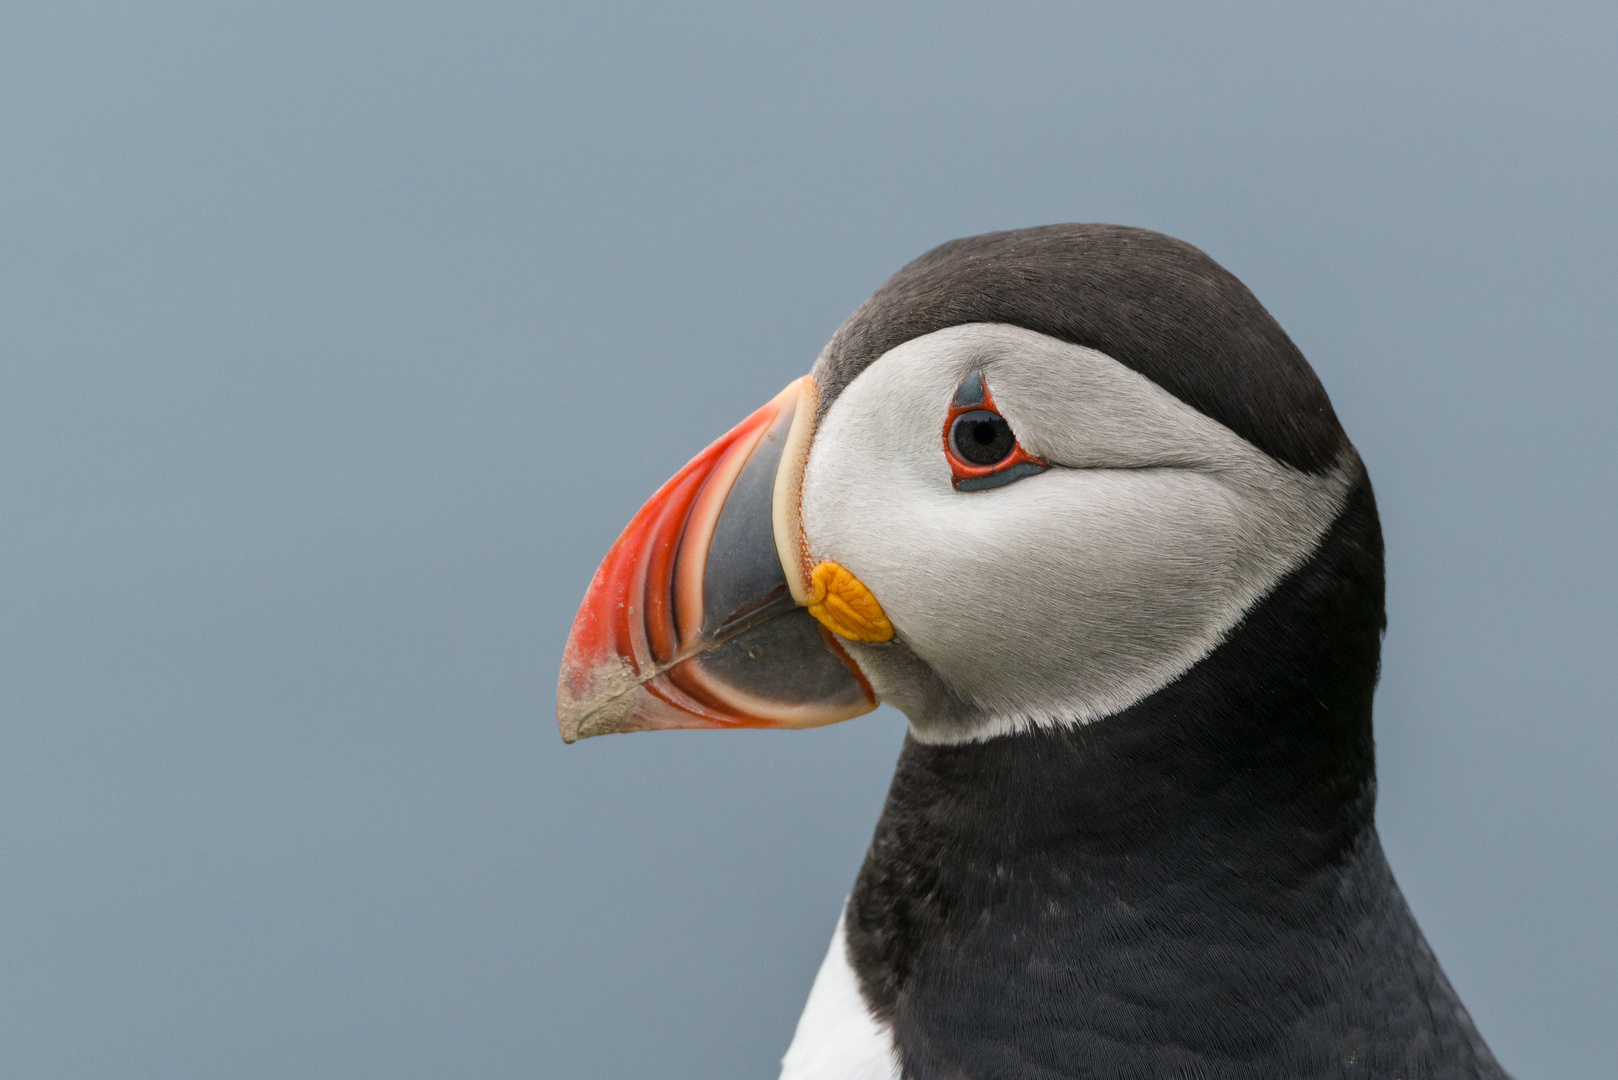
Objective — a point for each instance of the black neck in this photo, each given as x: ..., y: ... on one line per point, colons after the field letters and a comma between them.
x: 1193, y: 885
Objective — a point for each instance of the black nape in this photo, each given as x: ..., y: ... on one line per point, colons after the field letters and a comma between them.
x: 1193, y: 886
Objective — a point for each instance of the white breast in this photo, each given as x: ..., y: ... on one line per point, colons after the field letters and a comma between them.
x: 837, y: 1037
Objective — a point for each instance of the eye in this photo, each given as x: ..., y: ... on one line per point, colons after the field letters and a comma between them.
x: 982, y: 450
x: 982, y: 438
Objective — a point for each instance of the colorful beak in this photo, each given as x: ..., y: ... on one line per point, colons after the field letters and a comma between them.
x: 696, y: 617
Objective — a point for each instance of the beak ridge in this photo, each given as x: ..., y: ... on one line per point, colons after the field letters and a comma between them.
x: 691, y: 621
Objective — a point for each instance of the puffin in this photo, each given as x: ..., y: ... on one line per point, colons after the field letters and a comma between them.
x: 1071, y: 500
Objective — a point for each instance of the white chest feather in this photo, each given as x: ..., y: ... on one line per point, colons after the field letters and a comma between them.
x: 837, y: 1037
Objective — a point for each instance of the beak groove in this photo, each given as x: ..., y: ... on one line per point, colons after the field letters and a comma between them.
x: 692, y: 620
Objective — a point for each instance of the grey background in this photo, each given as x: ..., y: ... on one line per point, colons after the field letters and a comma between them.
x: 338, y: 340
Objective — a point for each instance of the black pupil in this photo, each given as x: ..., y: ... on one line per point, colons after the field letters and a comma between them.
x: 982, y: 437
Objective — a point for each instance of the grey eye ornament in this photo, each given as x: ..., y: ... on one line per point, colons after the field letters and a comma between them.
x: 982, y: 449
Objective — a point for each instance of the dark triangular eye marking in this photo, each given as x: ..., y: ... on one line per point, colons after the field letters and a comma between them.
x: 1001, y: 479
x: 982, y: 450
x: 969, y: 395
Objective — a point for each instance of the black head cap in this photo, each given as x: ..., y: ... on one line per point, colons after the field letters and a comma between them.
x: 1151, y: 302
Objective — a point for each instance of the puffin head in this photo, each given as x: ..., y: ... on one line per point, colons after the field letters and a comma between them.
x: 1036, y: 477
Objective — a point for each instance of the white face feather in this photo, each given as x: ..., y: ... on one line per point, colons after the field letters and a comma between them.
x: 1067, y: 596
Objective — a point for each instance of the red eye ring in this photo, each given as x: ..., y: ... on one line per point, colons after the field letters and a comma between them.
x: 974, y: 396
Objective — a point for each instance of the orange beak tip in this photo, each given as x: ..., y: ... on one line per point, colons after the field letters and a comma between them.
x: 646, y: 654
x: 594, y: 702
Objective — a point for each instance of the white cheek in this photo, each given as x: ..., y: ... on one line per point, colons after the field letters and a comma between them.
x: 1068, y: 595
x: 1065, y: 593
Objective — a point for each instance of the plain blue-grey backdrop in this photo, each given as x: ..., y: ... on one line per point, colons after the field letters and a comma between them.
x: 338, y: 340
